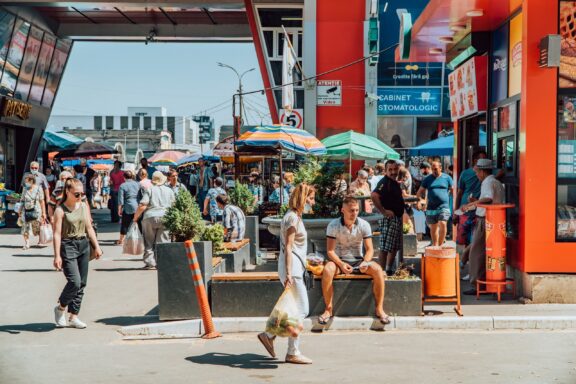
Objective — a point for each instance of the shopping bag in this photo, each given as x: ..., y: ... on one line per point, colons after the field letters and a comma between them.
x: 285, y: 319
x: 46, y: 234
x: 133, y: 242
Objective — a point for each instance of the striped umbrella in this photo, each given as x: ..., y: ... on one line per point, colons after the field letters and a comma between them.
x: 282, y: 137
x: 166, y: 158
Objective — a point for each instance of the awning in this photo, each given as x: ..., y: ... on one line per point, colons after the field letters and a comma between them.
x: 60, y: 140
x: 356, y: 146
x: 443, y: 146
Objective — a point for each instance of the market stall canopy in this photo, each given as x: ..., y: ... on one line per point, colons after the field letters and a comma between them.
x: 225, y: 149
x: 187, y: 160
x: 356, y: 146
x: 442, y: 146
x: 166, y: 158
x: 86, y: 149
x: 60, y: 140
x: 280, y: 137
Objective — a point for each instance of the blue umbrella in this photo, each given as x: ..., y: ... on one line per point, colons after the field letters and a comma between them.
x: 442, y: 146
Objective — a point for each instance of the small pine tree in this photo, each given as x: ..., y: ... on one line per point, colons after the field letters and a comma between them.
x: 242, y: 197
x: 183, y: 219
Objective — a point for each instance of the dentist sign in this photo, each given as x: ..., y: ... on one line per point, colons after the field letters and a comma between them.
x: 409, y: 101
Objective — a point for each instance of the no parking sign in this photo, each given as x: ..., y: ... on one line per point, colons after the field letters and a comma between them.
x: 295, y: 119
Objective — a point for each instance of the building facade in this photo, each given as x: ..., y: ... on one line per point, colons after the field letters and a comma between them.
x: 142, y: 131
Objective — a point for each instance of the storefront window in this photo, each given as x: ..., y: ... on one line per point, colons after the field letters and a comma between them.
x: 566, y: 107
x: 14, y: 59
x: 506, y: 153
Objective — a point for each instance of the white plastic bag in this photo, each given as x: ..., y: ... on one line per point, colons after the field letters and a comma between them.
x: 46, y: 234
x: 285, y: 319
x: 133, y: 242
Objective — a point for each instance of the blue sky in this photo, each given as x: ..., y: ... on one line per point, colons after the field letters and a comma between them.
x: 106, y: 78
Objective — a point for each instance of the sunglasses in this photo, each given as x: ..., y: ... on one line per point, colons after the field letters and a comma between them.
x: 79, y: 194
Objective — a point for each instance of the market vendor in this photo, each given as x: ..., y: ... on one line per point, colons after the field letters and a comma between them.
x: 350, y: 251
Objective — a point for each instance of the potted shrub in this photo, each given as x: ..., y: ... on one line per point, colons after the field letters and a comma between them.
x: 176, y: 294
x: 242, y: 197
x: 322, y: 175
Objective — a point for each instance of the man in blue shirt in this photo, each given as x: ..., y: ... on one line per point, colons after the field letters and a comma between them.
x: 437, y: 187
x: 468, y: 186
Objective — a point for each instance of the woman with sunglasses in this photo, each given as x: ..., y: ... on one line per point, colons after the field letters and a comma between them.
x: 73, y: 237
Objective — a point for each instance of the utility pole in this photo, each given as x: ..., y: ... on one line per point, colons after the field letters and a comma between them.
x: 237, y: 119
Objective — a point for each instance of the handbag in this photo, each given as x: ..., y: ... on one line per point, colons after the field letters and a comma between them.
x: 307, y: 277
x: 31, y: 214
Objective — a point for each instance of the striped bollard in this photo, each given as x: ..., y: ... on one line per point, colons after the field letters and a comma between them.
x: 201, y: 295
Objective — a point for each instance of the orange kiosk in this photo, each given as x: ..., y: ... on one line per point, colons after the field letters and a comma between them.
x: 496, y: 281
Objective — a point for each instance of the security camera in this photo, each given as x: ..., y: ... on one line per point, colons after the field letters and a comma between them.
x: 372, y: 97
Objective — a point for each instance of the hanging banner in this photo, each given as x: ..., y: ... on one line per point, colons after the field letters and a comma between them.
x: 499, y: 65
x: 409, y: 101
x: 515, y: 56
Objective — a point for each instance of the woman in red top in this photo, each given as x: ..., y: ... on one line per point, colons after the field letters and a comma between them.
x: 116, y: 180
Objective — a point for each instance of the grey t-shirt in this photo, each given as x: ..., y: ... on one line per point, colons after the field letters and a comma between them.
x: 158, y: 198
x: 299, y: 248
x: 349, y: 242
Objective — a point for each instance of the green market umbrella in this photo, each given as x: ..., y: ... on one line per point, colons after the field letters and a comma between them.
x: 352, y: 145
x: 356, y: 146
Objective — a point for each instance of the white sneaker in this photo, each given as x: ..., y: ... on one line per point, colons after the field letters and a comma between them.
x: 466, y: 278
x: 59, y: 317
x: 76, y: 323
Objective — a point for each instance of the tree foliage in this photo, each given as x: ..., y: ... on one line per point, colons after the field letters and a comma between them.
x: 242, y: 197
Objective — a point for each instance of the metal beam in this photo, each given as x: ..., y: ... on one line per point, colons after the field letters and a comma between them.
x: 209, y: 15
x: 221, y: 4
x: 166, y: 15
x: 125, y: 16
x: 165, y: 33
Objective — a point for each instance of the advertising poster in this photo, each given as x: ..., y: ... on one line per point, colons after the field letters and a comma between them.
x: 6, y: 27
x: 499, y: 65
x: 14, y: 59
x: 409, y: 101
x: 41, y: 73
x: 515, y: 56
x: 55, y: 73
x: 569, y: 109
x: 463, y: 94
x: 567, y: 74
x: 29, y: 64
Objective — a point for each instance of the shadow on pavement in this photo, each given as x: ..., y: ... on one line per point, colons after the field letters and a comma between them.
x: 11, y: 246
x: 119, y: 269
x: 124, y: 321
x: 244, y: 361
x: 34, y: 327
x: 29, y: 270
x: 31, y: 255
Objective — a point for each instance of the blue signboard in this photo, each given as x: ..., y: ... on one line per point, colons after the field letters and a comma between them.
x: 499, y: 64
x: 410, y: 101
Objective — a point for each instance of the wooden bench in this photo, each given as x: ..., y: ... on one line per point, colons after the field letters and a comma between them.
x: 235, y: 245
x: 268, y: 276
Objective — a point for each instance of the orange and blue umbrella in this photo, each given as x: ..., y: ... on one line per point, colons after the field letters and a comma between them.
x: 166, y: 158
x: 282, y: 137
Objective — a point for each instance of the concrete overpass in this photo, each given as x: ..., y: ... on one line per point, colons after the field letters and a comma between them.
x: 132, y: 20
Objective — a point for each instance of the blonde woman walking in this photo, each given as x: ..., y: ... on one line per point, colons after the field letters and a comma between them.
x: 73, y: 236
x: 293, y: 246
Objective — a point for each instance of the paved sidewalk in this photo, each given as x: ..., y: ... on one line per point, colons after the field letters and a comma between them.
x: 120, y: 294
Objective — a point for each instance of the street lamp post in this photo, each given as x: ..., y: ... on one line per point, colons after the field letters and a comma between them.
x: 237, y: 122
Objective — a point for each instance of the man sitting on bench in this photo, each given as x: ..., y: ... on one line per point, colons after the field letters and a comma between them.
x: 345, y: 237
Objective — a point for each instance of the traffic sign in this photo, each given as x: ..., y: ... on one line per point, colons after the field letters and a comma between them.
x: 295, y: 119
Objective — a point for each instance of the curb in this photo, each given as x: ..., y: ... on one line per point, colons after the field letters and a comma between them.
x: 194, y: 328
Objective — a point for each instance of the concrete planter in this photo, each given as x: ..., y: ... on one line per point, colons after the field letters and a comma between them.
x: 316, y: 229
x: 410, y: 244
x: 236, y: 261
x: 253, y: 234
x: 176, y: 293
x: 351, y: 298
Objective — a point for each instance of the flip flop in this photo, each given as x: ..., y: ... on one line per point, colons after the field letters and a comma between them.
x: 385, y: 320
x: 324, y: 320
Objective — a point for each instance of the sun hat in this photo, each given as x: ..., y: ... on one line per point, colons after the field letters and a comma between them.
x: 484, y: 164
x: 158, y: 178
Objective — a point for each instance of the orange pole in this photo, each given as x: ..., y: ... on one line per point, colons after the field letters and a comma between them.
x: 495, y: 246
x: 201, y: 295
